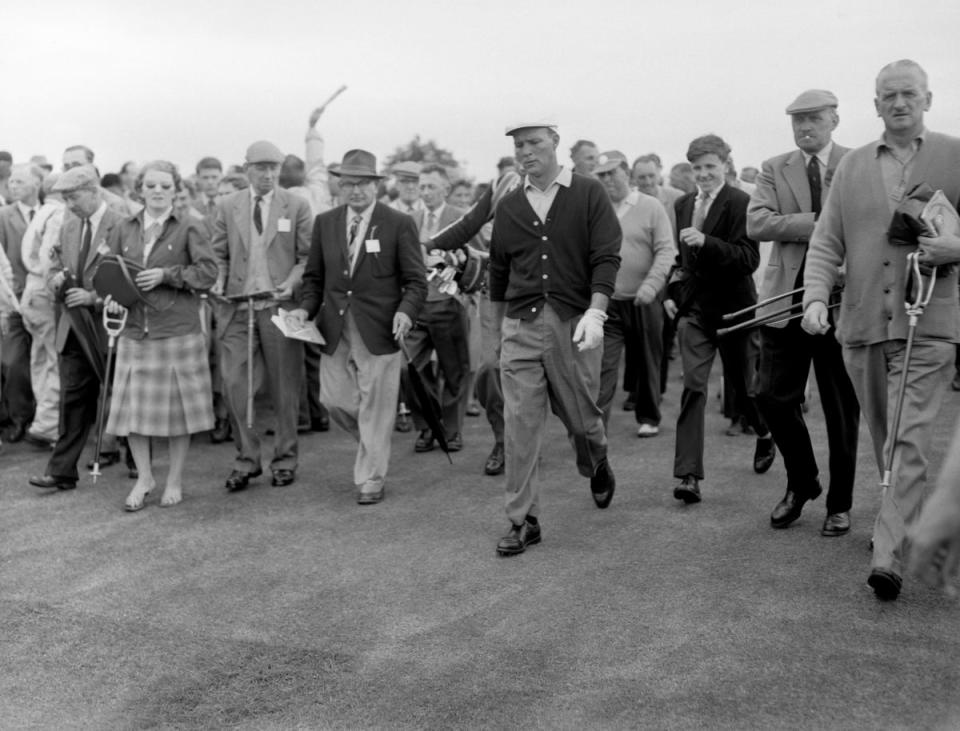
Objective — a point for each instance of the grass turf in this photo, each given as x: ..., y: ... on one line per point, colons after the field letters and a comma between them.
x: 296, y: 608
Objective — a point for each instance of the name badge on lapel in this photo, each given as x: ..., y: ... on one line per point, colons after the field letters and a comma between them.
x: 283, y: 225
x: 373, y: 246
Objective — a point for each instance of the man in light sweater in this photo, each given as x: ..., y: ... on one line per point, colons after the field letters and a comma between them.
x: 852, y: 231
x: 635, y: 314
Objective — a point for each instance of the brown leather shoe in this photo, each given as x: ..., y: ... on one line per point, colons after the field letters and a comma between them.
x: 519, y: 537
x: 688, y: 490
x: 602, y: 485
x: 790, y: 507
x: 369, y: 497
x: 496, y: 461
x: 885, y: 584
x: 836, y: 524
x: 46, y: 481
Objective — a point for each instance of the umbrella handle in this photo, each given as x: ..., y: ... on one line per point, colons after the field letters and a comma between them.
x: 923, y: 294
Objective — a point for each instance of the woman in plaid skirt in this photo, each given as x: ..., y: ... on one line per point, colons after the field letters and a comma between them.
x: 162, y: 383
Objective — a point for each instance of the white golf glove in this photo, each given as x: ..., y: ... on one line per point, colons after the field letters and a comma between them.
x: 589, y: 331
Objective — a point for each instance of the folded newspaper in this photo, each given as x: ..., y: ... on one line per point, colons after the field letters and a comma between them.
x: 290, y: 327
x: 940, y: 216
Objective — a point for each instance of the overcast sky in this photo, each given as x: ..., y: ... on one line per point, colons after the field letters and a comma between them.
x: 182, y: 79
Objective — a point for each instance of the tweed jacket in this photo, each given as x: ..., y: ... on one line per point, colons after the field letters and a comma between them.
x: 781, y: 212
x: 286, y: 249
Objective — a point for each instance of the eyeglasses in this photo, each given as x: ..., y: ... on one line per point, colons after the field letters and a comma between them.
x: 355, y: 183
x: 162, y: 186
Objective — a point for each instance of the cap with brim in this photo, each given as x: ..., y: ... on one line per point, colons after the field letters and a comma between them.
x: 358, y: 164
x: 513, y: 128
x: 811, y: 100
x: 608, y: 161
x: 407, y: 169
x: 83, y: 176
x: 264, y: 151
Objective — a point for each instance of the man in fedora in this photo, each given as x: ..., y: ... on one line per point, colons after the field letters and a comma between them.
x: 261, y: 239
x: 365, y: 278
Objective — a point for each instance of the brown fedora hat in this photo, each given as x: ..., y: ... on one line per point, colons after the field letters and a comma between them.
x: 359, y: 164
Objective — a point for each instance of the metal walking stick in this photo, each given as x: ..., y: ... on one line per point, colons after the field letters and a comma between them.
x: 114, y: 325
x: 922, y: 294
x: 250, y: 299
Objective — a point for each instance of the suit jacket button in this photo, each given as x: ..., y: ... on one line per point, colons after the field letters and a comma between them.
x: 349, y: 292
x: 346, y: 273
x: 341, y: 312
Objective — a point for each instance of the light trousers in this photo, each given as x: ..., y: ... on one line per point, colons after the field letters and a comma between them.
x: 541, y: 366
x: 360, y: 391
x: 875, y: 372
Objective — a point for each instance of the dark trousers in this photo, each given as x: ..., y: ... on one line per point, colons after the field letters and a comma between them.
x: 785, y: 356
x: 441, y: 328
x: 669, y: 335
x: 698, y: 348
x: 17, y: 388
x: 637, y: 331
x: 311, y: 409
x: 79, y: 396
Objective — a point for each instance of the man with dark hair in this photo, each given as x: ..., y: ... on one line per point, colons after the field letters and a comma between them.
x: 209, y: 174
x: 551, y: 276
x: 784, y: 209
x: 853, y: 233
x: 715, y: 263
x: 584, y: 155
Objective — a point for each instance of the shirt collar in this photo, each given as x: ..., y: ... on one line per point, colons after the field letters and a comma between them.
x: 149, y: 220
x: 98, y: 216
x: 701, y: 196
x: 365, y: 214
x: 823, y: 156
x: 267, y: 197
x: 564, y: 178
x: 25, y: 209
x: 881, y: 144
x: 436, y: 212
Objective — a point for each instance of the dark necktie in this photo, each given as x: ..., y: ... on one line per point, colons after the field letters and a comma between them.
x: 30, y: 217
x: 700, y: 214
x: 257, y: 215
x: 354, y: 227
x: 85, y: 238
x: 813, y: 176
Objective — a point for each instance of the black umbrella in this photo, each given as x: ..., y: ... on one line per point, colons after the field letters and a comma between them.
x: 429, y: 408
x: 88, y: 331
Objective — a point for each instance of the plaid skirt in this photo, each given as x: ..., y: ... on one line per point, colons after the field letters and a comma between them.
x: 161, y: 388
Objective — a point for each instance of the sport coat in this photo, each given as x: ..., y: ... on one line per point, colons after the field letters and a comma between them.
x: 715, y: 278
x: 381, y: 284
x: 66, y: 257
x: 286, y: 250
x: 781, y: 212
x: 12, y: 228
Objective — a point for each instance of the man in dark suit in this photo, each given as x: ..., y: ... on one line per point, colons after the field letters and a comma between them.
x: 82, y: 239
x: 441, y: 327
x: 261, y: 238
x: 783, y: 209
x: 715, y: 263
x: 365, y: 278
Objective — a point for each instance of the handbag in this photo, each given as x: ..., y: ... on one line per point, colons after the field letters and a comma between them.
x: 115, y: 276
